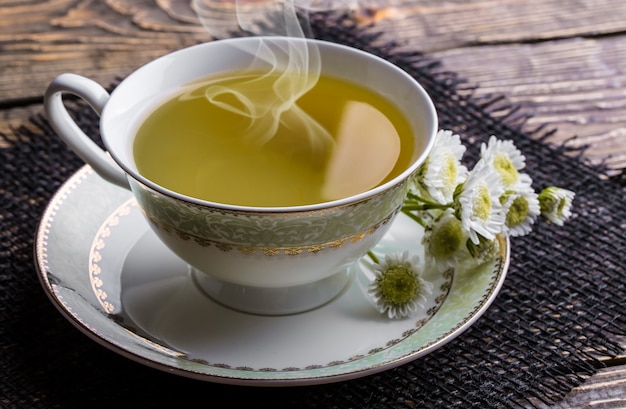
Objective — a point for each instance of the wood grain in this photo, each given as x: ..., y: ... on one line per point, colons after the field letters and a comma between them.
x: 562, y: 62
x: 577, y: 86
x: 605, y: 390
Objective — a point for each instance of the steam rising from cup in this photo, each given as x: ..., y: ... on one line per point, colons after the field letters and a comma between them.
x: 295, y: 67
x: 292, y: 69
x: 229, y: 18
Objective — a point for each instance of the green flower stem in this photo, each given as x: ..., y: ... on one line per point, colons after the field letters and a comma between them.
x: 421, y: 207
x: 414, y: 217
x: 415, y: 199
x: 373, y: 256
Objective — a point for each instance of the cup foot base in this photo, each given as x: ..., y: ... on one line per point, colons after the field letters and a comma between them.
x: 272, y: 301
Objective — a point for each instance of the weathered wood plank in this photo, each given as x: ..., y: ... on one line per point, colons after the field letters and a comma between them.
x: 42, y: 40
x: 574, y: 85
x: 604, y: 390
x: 14, y: 118
x: 577, y: 86
x: 438, y: 25
x: 130, y: 33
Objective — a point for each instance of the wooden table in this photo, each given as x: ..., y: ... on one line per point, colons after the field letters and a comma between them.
x: 562, y: 62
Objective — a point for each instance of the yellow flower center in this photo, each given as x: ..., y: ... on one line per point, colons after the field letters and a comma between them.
x: 482, y: 203
x: 449, y: 173
x: 517, y: 212
x: 509, y: 174
x: 398, y: 285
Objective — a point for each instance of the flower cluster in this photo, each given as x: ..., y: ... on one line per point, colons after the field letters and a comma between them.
x: 464, y: 211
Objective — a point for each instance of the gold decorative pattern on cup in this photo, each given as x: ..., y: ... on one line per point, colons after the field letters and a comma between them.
x: 271, y: 251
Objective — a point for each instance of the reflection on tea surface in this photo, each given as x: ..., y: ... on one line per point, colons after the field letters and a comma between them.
x: 337, y: 140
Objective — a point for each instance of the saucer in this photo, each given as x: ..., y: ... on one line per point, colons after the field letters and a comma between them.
x: 110, y: 276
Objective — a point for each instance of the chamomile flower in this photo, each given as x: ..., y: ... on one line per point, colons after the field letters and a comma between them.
x: 478, y: 202
x: 398, y: 288
x: 555, y: 204
x: 464, y: 214
x: 505, y: 158
x: 442, y: 172
x: 521, y: 206
x: 444, y: 241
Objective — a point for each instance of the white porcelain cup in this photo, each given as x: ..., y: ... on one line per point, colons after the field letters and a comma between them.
x: 255, y: 259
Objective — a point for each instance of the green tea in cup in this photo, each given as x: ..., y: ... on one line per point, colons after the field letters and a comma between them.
x: 209, y: 142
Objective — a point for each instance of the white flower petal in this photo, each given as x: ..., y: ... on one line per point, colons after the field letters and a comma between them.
x: 479, y: 201
x: 505, y: 158
x: 443, y: 171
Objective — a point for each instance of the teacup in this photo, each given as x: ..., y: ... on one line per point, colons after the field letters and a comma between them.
x: 264, y: 260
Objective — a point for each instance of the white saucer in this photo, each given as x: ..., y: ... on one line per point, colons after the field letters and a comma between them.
x: 106, y: 271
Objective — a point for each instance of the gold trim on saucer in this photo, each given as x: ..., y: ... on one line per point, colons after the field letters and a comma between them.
x: 95, y: 255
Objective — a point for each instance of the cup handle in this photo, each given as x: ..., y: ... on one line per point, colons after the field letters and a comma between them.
x: 63, y: 124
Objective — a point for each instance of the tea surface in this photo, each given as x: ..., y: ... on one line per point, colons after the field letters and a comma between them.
x: 193, y: 146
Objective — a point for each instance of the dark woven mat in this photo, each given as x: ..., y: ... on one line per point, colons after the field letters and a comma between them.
x: 559, y: 308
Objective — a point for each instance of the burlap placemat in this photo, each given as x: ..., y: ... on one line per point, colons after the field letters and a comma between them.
x: 557, y: 313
